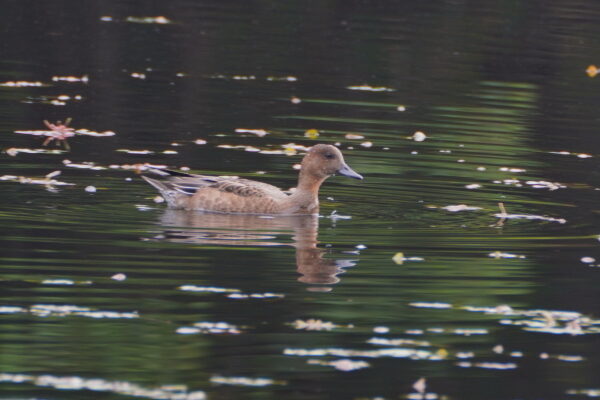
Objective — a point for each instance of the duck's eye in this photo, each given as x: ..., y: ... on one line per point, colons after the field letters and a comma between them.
x: 329, y: 156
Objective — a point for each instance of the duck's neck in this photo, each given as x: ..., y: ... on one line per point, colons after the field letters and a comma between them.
x: 309, y: 184
x: 306, y: 196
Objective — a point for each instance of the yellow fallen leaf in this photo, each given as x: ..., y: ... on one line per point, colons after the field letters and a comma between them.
x: 311, y: 133
x: 443, y: 353
x: 592, y: 71
x: 398, y: 258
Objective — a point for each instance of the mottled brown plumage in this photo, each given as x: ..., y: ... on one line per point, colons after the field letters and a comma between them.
x: 230, y: 194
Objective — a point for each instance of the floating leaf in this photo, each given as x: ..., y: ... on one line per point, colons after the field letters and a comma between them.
x: 592, y: 71
x: 311, y: 133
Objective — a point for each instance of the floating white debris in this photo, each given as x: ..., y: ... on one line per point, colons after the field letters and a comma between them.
x: 13, y: 151
x: 341, y: 365
x: 530, y: 217
x: 71, y: 79
x: 90, y: 189
x: 473, y: 186
x: 430, y: 305
x: 244, y: 381
x: 119, y: 277
x: 158, y: 199
x: 313, y: 325
x: 148, y: 20
x: 141, y: 152
x: 295, y: 100
x: 83, y: 165
x: 516, y: 170
x: 588, y: 260
x: 106, y: 18
x: 469, y: 332
x: 257, y: 132
x: 209, y: 328
x: 460, y: 207
x: 360, y: 246
x: 398, y: 342
x: 207, y: 289
x: 353, y: 136
x: 564, y: 357
x: 418, y: 136
x: 22, y: 84
x: 584, y: 392
x: 138, y: 75
x: 282, y: 78
x: 401, y: 108
x: 481, y: 168
x: 200, y: 141
x: 186, y: 330
x: 66, y: 282
x: 267, y: 295
x: 88, y: 132
x: 100, y: 385
x: 500, y: 254
x: 367, y: 144
x: 56, y: 310
x: 545, y: 185
x: 47, y: 180
x: 381, y: 329
x: 369, y: 88
x: 487, y: 365
x: 415, y: 354
x: 568, y: 153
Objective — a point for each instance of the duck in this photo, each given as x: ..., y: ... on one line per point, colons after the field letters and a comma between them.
x: 234, y: 195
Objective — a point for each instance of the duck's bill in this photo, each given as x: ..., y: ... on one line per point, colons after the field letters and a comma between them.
x: 349, y: 172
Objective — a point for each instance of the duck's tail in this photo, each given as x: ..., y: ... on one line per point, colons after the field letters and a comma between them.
x: 165, y: 189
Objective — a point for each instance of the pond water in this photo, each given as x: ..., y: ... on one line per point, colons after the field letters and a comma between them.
x: 464, y: 266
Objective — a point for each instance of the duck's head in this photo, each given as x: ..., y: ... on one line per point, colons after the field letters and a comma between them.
x: 324, y: 160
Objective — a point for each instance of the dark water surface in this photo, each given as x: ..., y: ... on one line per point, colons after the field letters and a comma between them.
x: 109, y: 295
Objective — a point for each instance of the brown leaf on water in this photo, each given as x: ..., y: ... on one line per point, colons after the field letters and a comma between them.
x: 592, y: 71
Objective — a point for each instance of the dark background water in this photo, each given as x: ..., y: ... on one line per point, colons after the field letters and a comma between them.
x: 494, y: 85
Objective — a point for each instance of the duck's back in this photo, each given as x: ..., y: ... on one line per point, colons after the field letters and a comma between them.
x: 220, y: 194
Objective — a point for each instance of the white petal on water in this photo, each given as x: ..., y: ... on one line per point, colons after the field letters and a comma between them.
x: 473, y: 186
x: 119, y: 277
x: 460, y: 207
x: 207, y: 289
x: 341, y: 365
x: 430, y: 305
x: 499, y: 254
x: 244, y: 381
x: 257, y: 132
x: 100, y: 385
x: 381, y: 329
x: 369, y: 88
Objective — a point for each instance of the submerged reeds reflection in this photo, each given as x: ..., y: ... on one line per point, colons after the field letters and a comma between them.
x: 196, y: 227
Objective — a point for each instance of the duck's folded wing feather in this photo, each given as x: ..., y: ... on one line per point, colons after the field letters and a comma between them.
x: 189, y: 184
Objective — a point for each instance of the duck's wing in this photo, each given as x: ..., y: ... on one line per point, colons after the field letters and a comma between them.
x: 179, y: 184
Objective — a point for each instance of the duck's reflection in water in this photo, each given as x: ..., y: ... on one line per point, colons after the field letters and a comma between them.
x: 256, y: 230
